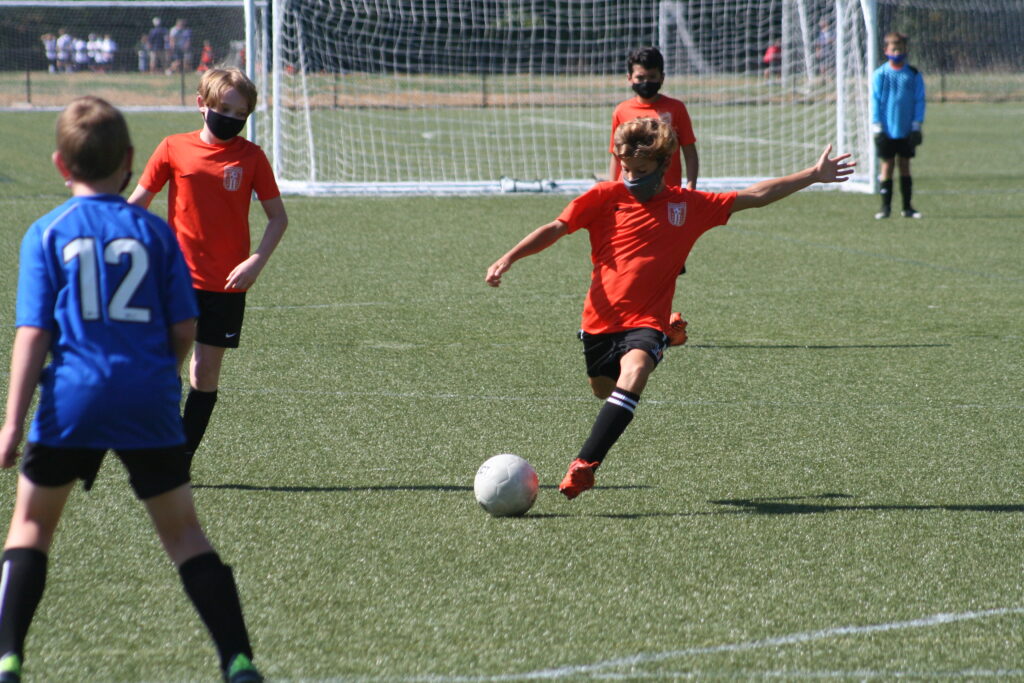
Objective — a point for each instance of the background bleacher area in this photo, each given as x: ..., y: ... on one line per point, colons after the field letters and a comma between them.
x: 106, y: 52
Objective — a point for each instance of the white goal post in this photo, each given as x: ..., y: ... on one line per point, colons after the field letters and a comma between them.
x: 478, y: 96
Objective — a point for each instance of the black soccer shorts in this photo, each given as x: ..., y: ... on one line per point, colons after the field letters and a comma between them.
x: 220, y: 318
x: 602, y: 352
x: 151, y: 471
x: 888, y: 148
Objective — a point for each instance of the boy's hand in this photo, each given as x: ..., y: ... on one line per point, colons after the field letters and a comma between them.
x: 835, y: 170
x: 245, y: 273
x: 494, y: 273
x: 10, y: 439
x: 916, y: 137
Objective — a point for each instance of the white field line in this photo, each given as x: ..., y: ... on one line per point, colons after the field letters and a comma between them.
x: 607, y: 669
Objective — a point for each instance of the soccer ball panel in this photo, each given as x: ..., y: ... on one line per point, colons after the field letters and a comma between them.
x: 505, y: 485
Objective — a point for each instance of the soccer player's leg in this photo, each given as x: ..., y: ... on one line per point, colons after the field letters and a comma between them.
x: 641, y: 351
x: 44, y: 485
x: 887, y: 161
x: 159, y: 479
x: 218, y: 328
x: 906, y: 182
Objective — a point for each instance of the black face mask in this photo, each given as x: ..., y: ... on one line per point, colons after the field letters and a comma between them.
x: 223, y: 127
x: 647, y: 89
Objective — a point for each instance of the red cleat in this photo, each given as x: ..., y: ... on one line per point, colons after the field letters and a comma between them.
x: 676, y: 330
x: 578, y: 479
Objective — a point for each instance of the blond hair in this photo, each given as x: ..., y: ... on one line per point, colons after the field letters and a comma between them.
x: 216, y: 82
x: 645, y: 138
x: 92, y: 138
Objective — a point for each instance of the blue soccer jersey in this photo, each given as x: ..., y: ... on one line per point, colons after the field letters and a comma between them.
x: 898, y: 99
x: 107, y: 279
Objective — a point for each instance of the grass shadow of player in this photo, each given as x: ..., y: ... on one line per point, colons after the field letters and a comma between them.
x: 818, y: 504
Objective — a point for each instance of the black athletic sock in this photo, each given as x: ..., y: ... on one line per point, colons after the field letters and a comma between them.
x: 22, y: 580
x: 906, y: 191
x: 210, y: 585
x: 886, y: 194
x: 613, y: 418
x: 198, y: 409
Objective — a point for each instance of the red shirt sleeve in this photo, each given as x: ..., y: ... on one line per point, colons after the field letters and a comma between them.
x: 158, y: 169
x: 264, y: 183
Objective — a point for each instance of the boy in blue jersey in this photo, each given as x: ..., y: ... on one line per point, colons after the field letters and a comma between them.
x: 104, y: 290
x: 897, y: 113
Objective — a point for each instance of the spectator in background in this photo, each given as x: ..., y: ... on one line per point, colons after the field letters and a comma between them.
x: 65, y: 50
x: 181, y: 47
x: 142, y: 48
x: 50, y: 47
x: 773, y: 59
x: 80, y: 47
x: 825, y: 47
x: 157, y: 46
x: 108, y: 49
x: 205, y: 58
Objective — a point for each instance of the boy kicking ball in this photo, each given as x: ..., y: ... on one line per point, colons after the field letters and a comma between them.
x: 641, y: 232
x: 104, y: 291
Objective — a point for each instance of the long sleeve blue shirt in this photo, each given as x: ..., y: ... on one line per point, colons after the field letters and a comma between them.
x: 898, y: 99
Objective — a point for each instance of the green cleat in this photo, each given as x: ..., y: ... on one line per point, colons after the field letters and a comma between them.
x: 10, y: 668
x: 241, y: 670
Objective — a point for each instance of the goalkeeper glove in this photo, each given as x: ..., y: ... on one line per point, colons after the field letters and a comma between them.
x: 880, y: 136
x: 916, y: 137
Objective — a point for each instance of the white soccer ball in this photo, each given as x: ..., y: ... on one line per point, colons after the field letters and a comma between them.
x: 505, y: 485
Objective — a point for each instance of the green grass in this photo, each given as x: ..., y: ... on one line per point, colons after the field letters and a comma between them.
x: 831, y: 463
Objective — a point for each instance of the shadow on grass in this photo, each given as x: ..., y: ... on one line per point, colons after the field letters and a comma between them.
x: 354, y: 489
x: 803, y: 505
x: 816, y: 347
x: 333, y: 489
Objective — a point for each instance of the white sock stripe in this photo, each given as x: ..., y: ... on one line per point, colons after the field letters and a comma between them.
x: 3, y: 584
x: 622, y: 400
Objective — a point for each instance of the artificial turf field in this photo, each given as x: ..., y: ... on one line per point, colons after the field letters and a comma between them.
x: 826, y: 482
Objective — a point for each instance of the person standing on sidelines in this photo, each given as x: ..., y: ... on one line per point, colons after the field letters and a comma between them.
x: 645, y: 69
x: 641, y: 231
x: 897, y: 114
x: 212, y: 175
x: 104, y: 290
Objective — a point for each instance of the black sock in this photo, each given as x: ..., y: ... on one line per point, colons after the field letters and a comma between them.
x: 612, y: 420
x: 886, y: 193
x: 210, y: 585
x: 22, y: 580
x: 906, y: 191
x: 198, y: 409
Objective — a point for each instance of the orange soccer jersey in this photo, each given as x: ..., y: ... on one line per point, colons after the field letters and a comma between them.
x: 208, y: 200
x: 669, y: 110
x: 637, y: 250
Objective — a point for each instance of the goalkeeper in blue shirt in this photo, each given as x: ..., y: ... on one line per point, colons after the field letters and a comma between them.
x: 897, y: 113
x: 103, y: 289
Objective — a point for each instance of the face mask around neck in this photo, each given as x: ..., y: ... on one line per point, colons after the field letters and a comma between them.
x: 645, y: 187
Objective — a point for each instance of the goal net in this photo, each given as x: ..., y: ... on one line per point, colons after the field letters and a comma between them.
x: 465, y: 96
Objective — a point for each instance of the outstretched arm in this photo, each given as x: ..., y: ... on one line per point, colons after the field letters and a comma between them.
x: 827, y: 170
x: 538, y: 240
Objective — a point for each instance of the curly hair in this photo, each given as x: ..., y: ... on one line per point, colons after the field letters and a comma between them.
x: 645, y: 137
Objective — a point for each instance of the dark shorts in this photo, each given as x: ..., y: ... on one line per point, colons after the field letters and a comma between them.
x: 151, y: 471
x: 890, y: 148
x: 602, y: 352
x: 220, y: 318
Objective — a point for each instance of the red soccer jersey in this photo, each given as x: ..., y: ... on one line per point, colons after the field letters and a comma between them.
x: 637, y: 250
x: 671, y: 111
x: 208, y: 201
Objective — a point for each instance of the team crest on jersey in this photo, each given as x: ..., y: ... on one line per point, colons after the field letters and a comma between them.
x: 677, y: 213
x: 232, y: 178
x: 666, y: 117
